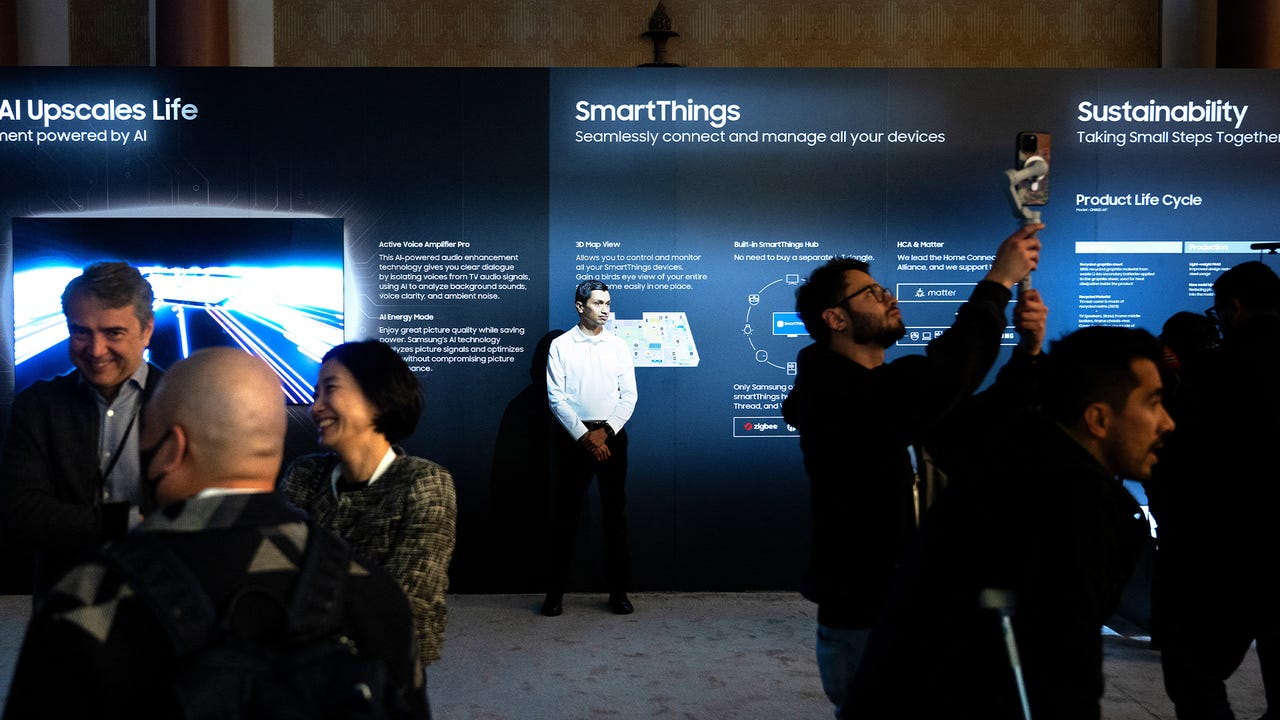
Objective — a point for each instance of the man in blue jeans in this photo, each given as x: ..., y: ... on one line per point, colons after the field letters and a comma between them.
x: 858, y: 417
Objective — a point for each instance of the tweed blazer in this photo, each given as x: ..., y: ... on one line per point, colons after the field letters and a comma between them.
x: 406, y: 520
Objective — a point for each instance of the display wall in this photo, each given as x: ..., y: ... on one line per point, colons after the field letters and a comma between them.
x: 472, y: 201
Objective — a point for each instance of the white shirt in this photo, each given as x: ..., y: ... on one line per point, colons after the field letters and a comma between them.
x: 378, y: 472
x: 590, y: 377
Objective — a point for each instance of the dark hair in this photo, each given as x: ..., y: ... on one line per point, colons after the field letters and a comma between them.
x: 1093, y: 364
x: 1189, y: 333
x: 115, y: 285
x: 823, y: 289
x: 1253, y: 283
x: 582, y: 293
x: 386, y: 381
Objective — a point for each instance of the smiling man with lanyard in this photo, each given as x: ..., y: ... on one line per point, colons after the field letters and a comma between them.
x: 70, y: 456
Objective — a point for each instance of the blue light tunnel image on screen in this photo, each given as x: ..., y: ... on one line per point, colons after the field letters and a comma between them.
x: 272, y: 287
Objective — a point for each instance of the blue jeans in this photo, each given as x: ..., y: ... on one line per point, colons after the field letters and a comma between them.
x: 839, y: 650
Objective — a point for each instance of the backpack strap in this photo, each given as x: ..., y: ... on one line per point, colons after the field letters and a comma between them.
x: 167, y: 586
x: 316, y: 605
x: 179, y: 602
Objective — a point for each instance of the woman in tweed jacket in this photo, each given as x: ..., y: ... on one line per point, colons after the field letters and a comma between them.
x: 397, y: 509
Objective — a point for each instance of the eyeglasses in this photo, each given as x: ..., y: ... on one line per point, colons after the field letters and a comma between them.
x: 1212, y: 314
x: 878, y: 293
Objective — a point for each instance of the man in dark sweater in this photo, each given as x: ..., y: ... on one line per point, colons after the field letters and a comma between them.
x: 858, y: 417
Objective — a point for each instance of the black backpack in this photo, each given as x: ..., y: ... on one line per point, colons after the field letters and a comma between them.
x: 314, y: 672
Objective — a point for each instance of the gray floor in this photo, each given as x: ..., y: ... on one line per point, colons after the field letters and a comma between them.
x: 689, y: 655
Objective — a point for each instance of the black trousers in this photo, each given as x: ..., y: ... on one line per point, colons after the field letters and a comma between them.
x: 574, y: 467
x: 1207, y: 621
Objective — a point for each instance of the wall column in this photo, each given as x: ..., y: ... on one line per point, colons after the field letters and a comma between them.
x: 8, y: 32
x: 192, y: 33
x: 1188, y: 33
x: 1249, y: 34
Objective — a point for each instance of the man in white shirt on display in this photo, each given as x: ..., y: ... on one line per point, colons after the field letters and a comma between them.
x: 591, y: 388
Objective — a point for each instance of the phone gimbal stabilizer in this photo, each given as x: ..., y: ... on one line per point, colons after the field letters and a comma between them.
x: 1028, y: 177
x: 1033, y: 171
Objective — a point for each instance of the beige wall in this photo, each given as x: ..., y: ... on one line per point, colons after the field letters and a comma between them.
x: 719, y: 33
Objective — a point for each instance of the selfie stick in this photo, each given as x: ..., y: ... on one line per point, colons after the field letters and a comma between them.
x: 1002, y: 601
x: 1034, y: 170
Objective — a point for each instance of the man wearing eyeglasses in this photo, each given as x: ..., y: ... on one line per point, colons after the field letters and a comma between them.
x: 1214, y: 496
x: 858, y: 417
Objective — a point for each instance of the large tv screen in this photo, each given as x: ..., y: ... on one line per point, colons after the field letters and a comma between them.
x: 272, y: 286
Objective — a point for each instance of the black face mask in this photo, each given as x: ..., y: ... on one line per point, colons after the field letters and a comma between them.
x: 149, y: 485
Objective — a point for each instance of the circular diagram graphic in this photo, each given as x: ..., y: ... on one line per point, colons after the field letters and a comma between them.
x: 777, y: 325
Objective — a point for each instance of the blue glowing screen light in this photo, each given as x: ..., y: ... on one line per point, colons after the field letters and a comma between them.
x: 271, y: 286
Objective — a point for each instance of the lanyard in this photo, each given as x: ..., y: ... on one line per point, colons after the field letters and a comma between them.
x: 120, y: 448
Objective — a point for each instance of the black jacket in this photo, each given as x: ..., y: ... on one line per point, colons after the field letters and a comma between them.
x: 95, y: 649
x: 1041, y: 519
x: 856, y: 428
x: 51, y: 495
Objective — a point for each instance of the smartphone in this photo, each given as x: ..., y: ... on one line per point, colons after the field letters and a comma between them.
x: 1034, y: 191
